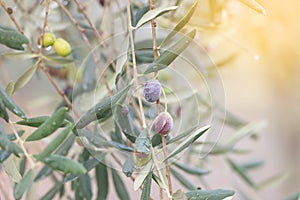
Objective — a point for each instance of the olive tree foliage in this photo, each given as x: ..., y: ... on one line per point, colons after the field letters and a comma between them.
x: 138, y: 101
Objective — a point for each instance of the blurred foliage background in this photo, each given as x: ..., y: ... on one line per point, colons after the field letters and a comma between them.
x: 262, y: 82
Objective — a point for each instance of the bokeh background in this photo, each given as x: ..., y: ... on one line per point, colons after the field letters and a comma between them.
x: 262, y: 82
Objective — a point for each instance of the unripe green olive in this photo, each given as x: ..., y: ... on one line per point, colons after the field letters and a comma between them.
x: 141, y: 159
x: 48, y: 39
x: 62, y: 47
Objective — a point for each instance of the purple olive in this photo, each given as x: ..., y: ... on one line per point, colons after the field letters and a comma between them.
x: 152, y: 90
x: 163, y: 123
x: 102, y: 2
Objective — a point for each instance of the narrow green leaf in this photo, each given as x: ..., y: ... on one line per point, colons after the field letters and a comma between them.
x: 254, y: 5
x: 7, y: 145
x: 142, y: 142
x: 152, y: 14
x: 10, y: 104
x: 183, y: 21
x: 52, y: 192
x: 55, y: 60
x: 38, y: 121
x: 184, y: 144
x: 142, y: 175
x: 119, y: 186
x: 12, y: 38
x: 102, y: 110
x: 139, y: 14
x: 49, y: 126
x: 294, y: 196
x: 88, y: 165
x: 62, y: 150
x: 241, y: 172
x: 273, y: 181
x: 102, y: 181
x: 243, y: 132
x: 4, y: 155
x: 147, y: 187
x: 122, y: 58
x: 25, y: 77
x: 23, y: 165
x: 209, y: 194
x: 157, y: 180
x: 124, y: 122
x: 64, y: 164
x: 11, y: 170
x: 252, y: 164
x: 191, y: 170
x: 10, y: 88
x: 3, y: 113
x: 179, y: 195
x: 13, y: 137
x: 52, y: 146
x: 20, y: 55
x: 169, y: 55
x: 23, y: 185
x: 182, y: 135
x: 84, y: 189
x: 185, y: 182
x: 128, y: 166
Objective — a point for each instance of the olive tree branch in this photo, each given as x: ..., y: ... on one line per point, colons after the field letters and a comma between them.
x: 135, y: 75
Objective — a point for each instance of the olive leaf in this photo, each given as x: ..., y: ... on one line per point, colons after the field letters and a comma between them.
x: 10, y: 104
x: 147, y: 187
x: 241, y: 172
x: 49, y: 126
x: 182, y: 179
x: 102, y: 110
x: 38, y: 121
x: 254, y: 5
x: 119, y: 186
x: 64, y: 164
x: 54, y: 144
x: 10, y: 88
x: 152, y: 14
x: 25, y: 77
x: 183, y: 21
x: 209, y: 194
x: 12, y: 38
x: 191, y: 170
x: 184, y: 144
x: 142, y: 175
x: 128, y: 166
x: 20, y: 55
x: 23, y: 185
x: 102, y: 181
x: 3, y: 113
x: 169, y: 55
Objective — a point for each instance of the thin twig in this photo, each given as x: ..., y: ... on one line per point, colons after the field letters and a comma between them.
x: 81, y: 9
x: 44, y: 27
x: 121, y: 15
x: 21, y: 142
x: 135, y: 75
x: 86, y: 40
x: 163, y: 138
x: 155, y: 52
x: 159, y: 172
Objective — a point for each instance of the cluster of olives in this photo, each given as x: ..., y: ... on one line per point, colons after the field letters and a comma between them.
x: 60, y: 46
x: 163, y: 123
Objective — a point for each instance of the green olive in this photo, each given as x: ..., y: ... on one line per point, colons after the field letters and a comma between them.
x: 62, y: 47
x: 48, y: 39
